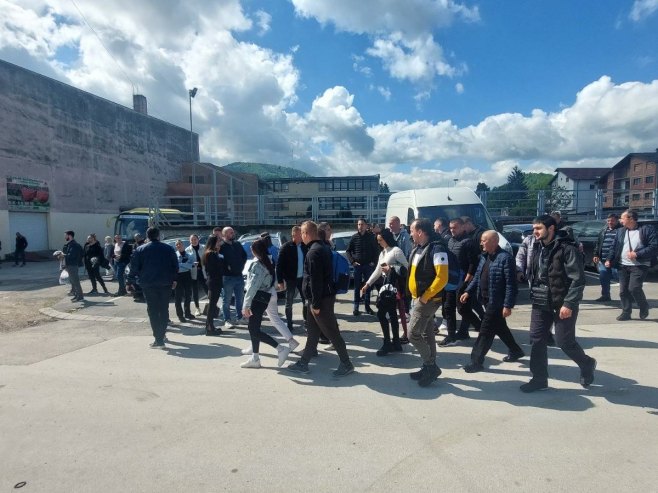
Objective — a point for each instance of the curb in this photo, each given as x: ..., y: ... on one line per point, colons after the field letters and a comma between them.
x: 50, y: 312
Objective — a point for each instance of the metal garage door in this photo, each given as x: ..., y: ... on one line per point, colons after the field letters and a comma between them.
x: 32, y: 225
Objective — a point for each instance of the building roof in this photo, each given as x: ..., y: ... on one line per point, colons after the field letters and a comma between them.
x: 321, y: 178
x: 582, y: 173
x: 649, y: 156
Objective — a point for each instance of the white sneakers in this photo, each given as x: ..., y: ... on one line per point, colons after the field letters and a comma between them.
x: 228, y: 324
x: 293, y: 344
x: 197, y: 313
x: 247, y: 351
x: 283, y: 351
x: 253, y: 362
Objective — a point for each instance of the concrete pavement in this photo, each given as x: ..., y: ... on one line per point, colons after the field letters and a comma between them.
x: 86, y: 406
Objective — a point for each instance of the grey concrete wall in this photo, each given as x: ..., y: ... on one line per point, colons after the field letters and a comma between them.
x: 97, y: 156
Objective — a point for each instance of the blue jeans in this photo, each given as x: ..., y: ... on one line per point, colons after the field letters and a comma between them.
x: 605, y: 276
x: 120, y: 273
x: 233, y: 286
x: 157, y: 306
x: 361, y: 274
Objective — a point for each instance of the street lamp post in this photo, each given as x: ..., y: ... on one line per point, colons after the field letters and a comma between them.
x: 192, y: 93
x: 455, y: 180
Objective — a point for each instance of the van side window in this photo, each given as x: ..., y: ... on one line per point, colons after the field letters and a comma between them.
x: 410, y: 216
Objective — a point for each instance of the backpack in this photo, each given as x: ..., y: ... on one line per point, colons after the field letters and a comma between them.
x: 341, y: 273
x: 387, y: 294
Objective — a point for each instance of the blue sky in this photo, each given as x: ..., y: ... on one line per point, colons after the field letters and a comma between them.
x: 421, y: 92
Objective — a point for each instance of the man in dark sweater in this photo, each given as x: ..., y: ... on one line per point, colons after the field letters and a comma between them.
x: 602, y: 251
x: 290, y: 272
x: 318, y: 288
x: 156, y: 265
x: 362, y: 252
x: 235, y: 259
x: 73, y: 254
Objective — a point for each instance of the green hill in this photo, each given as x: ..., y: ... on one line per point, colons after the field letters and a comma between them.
x: 266, y: 171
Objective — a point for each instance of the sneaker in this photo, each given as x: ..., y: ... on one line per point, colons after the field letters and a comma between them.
x: 386, y: 348
x: 473, y: 368
x: 429, y: 374
x: 228, y: 324
x: 157, y: 345
x: 343, y: 369
x: 283, y: 351
x: 330, y: 347
x: 416, y: 374
x: 644, y: 314
x: 356, y: 313
x: 443, y: 326
x: 404, y: 340
x: 462, y: 336
x: 587, y: 376
x: 448, y: 341
x: 197, y: 312
x: 251, y: 363
x: 623, y: 316
x: 324, y: 340
x: 369, y: 311
x: 298, y: 367
x: 190, y: 316
x: 293, y: 344
x: 512, y: 357
x: 602, y: 299
x: 533, y: 385
x: 397, y: 347
x: 247, y: 352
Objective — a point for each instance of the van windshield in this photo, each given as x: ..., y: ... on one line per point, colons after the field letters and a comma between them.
x: 476, y: 212
x: 127, y: 226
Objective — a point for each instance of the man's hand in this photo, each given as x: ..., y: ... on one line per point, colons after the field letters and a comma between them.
x: 246, y: 312
x: 468, y: 278
x: 364, y: 289
x: 507, y: 312
x: 463, y: 298
x: 316, y: 311
x: 356, y: 264
x: 281, y: 286
x: 565, y: 312
x: 173, y: 286
x: 607, y: 264
x: 422, y: 301
x: 632, y: 255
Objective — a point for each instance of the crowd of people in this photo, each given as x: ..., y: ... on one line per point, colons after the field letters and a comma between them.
x: 434, y: 270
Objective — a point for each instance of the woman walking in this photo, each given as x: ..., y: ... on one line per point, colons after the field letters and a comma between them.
x: 183, y: 282
x: 108, y: 249
x: 214, y: 264
x: 392, y: 264
x: 260, y: 281
x: 93, y: 258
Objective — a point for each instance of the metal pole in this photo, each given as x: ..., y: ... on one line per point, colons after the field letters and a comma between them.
x: 192, y: 93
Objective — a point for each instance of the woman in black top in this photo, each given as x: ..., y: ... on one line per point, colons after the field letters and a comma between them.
x: 213, y: 261
x: 93, y: 257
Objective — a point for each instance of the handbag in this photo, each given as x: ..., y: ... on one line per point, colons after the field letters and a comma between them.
x: 262, y: 297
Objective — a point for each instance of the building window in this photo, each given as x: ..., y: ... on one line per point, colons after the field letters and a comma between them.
x: 636, y: 196
x: 592, y: 186
x: 648, y: 195
x: 566, y: 179
x: 637, y: 181
x: 637, y: 166
x: 648, y: 179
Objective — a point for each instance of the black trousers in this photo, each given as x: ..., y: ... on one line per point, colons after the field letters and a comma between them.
x: 94, y: 274
x: 213, y: 298
x: 324, y: 323
x: 257, y: 336
x: 450, y: 307
x: 293, y: 286
x: 183, y: 292
x: 565, y: 338
x: 631, y: 279
x: 200, y: 281
x: 493, y: 324
x: 384, y: 322
x: 157, y: 306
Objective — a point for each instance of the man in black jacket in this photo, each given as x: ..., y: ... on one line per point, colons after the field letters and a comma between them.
x: 318, y: 288
x: 557, y: 281
x: 19, y: 253
x: 290, y: 271
x: 121, y: 255
x: 495, y: 287
x: 73, y: 254
x: 632, y: 252
x: 235, y: 259
x: 362, y: 252
x: 156, y: 265
x: 602, y: 251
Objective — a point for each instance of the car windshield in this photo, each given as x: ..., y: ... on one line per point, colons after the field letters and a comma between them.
x: 341, y: 243
x: 476, y: 212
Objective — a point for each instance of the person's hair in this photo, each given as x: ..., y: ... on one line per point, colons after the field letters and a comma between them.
x: 311, y: 227
x: 424, y: 225
x: 153, y: 234
x: 259, y: 248
x: 613, y: 215
x: 457, y: 220
x: 70, y: 233
x: 108, y: 238
x: 210, y: 248
x: 267, y: 239
x: 631, y: 213
x: 388, y: 237
x: 443, y: 220
x: 545, y: 219
x: 362, y: 219
x: 93, y: 235
x: 467, y: 220
x: 179, y: 241
x: 295, y: 229
x: 217, y: 229
x: 556, y: 214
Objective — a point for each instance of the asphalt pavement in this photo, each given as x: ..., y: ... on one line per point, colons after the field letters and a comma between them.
x: 85, y: 405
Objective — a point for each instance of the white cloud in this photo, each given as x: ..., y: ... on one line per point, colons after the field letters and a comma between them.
x: 263, y: 22
x: 459, y: 88
x: 642, y: 9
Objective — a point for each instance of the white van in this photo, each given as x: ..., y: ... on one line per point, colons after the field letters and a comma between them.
x: 432, y: 203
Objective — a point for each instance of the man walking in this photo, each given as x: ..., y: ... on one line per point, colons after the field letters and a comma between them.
x: 631, y: 253
x: 557, y: 281
x: 156, y: 265
x: 290, y: 272
x: 320, y: 295
x: 121, y: 255
x: 400, y: 235
x: 428, y: 276
x: 495, y: 287
x: 602, y: 251
x: 362, y: 252
x: 19, y: 252
x: 235, y: 259
x: 73, y: 254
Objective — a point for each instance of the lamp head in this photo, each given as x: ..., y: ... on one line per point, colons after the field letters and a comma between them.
x: 192, y: 92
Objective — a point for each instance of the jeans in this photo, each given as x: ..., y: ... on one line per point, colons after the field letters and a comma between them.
x: 361, y: 274
x: 493, y: 324
x: 324, y: 323
x: 605, y: 276
x: 631, y: 279
x: 291, y: 288
x: 157, y: 306
x: 233, y: 286
x: 120, y: 273
x: 565, y: 337
x: 421, y: 329
x: 257, y: 336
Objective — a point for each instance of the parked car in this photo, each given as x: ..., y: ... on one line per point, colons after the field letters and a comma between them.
x: 515, y: 234
x: 587, y: 232
x: 278, y: 239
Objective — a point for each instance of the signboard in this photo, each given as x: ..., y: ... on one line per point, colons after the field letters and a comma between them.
x: 25, y: 194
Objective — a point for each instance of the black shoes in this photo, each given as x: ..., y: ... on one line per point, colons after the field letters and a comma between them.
x: 533, y: 386
x: 386, y: 348
x: 356, y: 313
x: 473, y: 368
x: 397, y: 346
x: 603, y: 298
x: 93, y: 291
x: 550, y: 341
x: 404, y: 340
x: 417, y: 374
x: 213, y: 332
x: 189, y: 316
x: 512, y: 357
x: 429, y: 373
x: 369, y: 311
x: 462, y: 336
x: 625, y: 316
x: 644, y: 313
x: 587, y: 375
x: 182, y: 320
x: 448, y: 341
x: 77, y: 298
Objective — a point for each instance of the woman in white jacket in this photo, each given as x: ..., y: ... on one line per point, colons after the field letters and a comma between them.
x: 390, y: 258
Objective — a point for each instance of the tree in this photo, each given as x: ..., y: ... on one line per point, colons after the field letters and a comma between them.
x: 482, y: 187
x: 383, y: 187
x: 516, y: 180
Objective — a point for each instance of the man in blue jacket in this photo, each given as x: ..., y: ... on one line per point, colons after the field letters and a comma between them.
x: 156, y: 265
x: 495, y: 286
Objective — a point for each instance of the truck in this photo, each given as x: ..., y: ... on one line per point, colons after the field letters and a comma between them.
x: 171, y: 222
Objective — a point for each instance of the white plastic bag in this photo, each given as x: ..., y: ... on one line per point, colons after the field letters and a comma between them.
x: 64, y: 277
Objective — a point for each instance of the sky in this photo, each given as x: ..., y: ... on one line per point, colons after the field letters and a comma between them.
x: 422, y: 92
